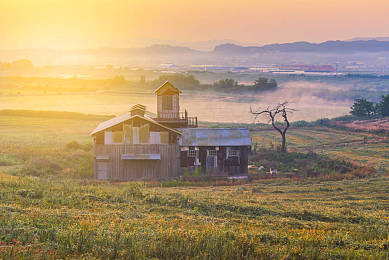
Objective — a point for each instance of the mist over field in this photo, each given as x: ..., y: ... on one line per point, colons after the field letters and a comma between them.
x: 305, y: 97
x: 311, y: 100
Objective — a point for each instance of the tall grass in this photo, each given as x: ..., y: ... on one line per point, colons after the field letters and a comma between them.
x: 70, y: 219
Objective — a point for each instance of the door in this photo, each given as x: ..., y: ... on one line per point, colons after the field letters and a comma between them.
x: 101, y: 170
x: 211, y: 161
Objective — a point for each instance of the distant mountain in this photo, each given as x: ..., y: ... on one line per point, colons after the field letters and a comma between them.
x: 371, y: 52
x: 210, y: 45
x: 157, y: 49
x: 325, y: 47
x: 165, y: 49
x: 206, y: 45
x: 382, y: 39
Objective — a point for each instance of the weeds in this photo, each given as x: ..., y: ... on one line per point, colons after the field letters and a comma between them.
x: 65, y: 219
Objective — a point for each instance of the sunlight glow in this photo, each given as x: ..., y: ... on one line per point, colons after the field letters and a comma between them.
x: 121, y: 23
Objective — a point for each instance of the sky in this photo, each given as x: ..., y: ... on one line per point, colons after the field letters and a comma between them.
x: 74, y: 24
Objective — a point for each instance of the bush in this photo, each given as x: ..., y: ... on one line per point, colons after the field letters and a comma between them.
x: 6, y: 160
x: 42, y: 166
x: 304, y: 164
x: 74, y: 145
x: 84, y: 167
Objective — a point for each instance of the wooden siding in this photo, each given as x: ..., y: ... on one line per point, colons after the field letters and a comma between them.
x: 137, y: 131
x: 124, y: 170
x: 171, y: 114
x: 226, y: 166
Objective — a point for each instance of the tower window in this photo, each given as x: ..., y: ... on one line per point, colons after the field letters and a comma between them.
x: 167, y: 102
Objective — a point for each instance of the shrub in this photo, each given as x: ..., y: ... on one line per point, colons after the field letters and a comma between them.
x: 302, y: 164
x: 74, y: 145
x: 84, y: 166
x: 6, y: 160
x: 363, y: 172
x: 42, y: 166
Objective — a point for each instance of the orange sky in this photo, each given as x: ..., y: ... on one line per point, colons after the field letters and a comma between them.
x: 118, y: 23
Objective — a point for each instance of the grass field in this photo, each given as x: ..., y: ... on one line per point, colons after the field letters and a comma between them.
x: 65, y: 218
x: 50, y: 206
x: 340, y: 144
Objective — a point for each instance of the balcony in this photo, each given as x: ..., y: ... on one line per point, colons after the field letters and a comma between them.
x: 177, y: 120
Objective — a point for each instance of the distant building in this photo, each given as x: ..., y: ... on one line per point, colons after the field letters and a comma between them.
x: 309, y: 68
x: 134, y: 146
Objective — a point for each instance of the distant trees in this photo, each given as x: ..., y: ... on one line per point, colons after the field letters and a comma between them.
x: 263, y: 83
x: 382, y: 108
x: 18, y: 65
x: 117, y: 81
x: 260, y: 84
x: 363, y: 108
x: 225, y: 84
x: 189, y: 82
x: 181, y: 81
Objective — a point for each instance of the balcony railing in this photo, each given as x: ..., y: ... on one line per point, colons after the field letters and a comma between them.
x: 182, y: 118
x: 192, y: 121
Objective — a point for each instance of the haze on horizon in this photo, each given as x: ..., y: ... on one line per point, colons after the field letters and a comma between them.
x: 72, y: 24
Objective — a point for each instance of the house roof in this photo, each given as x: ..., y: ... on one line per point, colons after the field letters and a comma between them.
x: 167, y: 85
x: 215, y: 137
x: 127, y: 116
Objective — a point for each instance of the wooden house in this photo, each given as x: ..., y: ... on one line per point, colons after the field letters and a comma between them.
x: 216, y: 151
x: 135, y: 146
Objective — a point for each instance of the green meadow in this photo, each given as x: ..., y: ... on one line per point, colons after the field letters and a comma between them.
x: 51, y: 207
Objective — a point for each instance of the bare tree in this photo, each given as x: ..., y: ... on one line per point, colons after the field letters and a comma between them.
x: 279, y: 110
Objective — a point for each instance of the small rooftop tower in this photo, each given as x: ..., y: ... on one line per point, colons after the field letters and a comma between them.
x: 168, y: 108
x: 168, y: 101
x: 138, y: 110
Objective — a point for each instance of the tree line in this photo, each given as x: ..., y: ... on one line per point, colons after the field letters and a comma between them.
x: 181, y: 81
x: 18, y: 65
x: 189, y: 82
x: 362, y: 108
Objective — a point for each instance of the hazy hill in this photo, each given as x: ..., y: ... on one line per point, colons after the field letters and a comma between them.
x: 383, y: 39
x: 231, y: 48
x: 325, y: 47
x: 370, y: 52
x: 157, y: 49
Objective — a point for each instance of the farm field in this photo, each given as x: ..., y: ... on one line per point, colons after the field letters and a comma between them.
x: 60, y: 218
x: 339, y: 144
x: 50, y: 206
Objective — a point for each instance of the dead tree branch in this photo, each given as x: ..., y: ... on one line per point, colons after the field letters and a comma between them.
x: 272, y: 113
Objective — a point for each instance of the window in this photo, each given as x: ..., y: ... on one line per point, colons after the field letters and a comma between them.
x: 192, y: 153
x: 211, y: 161
x: 117, y: 137
x: 212, y: 153
x: 167, y: 102
x: 99, y: 138
x: 234, y: 153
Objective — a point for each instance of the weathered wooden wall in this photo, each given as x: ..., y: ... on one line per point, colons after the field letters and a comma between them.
x: 124, y: 170
x: 225, y: 166
x: 174, y: 112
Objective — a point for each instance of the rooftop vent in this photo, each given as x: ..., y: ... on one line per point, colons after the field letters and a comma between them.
x: 138, y: 110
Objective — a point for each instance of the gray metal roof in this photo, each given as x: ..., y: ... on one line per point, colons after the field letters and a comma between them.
x: 215, y: 137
